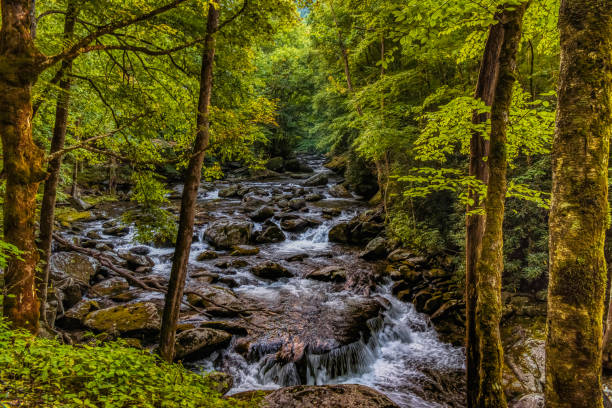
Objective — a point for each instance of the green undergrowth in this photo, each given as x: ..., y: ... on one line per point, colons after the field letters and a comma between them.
x: 37, y: 372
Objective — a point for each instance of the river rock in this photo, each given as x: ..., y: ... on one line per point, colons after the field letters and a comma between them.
x: 227, y: 233
x: 206, y: 256
x: 328, y: 396
x: 216, y: 300
x: 74, y: 317
x: 275, y: 164
x: 313, y: 197
x: 230, y: 192
x: 244, y: 250
x: 71, y: 265
x: 110, y: 287
x: 118, y: 231
x: 297, y: 203
x: 297, y: 166
x: 140, y: 250
x: 376, y: 249
x: 271, y: 233
x: 328, y: 274
x: 339, y: 191
x: 339, y: 233
x: 294, y: 224
x: 93, y: 235
x: 400, y: 254
x: 79, y: 203
x: 524, y: 358
x: 134, y: 317
x: 529, y: 401
x: 251, y: 202
x: 319, y: 179
x: 195, y: 344
x: 136, y: 261
x: 270, y: 270
x: 220, y: 382
x: 262, y: 213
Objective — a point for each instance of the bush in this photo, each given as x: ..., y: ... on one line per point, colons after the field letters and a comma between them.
x: 36, y: 372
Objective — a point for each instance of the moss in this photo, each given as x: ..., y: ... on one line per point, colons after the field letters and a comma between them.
x: 67, y: 216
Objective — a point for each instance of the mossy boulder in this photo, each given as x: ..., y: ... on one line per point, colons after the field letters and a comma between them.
x: 130, y: 318
x: 244, y: 250
x: 275, y: 164
x: 227, y: 233
x: 198, y: 343
x: 270, y: 270
x: 328, y: 274
x: 206, y: 256
x: 70, y: 265
x: 110, y: 287
x: 327, y: 396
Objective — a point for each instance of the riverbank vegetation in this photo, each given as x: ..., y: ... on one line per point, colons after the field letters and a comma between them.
x: 478, y: 132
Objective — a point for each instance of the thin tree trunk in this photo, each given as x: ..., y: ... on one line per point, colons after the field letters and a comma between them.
x: 74, y: 190
x: 112, y: 176
x: 47, y: 211
x: 579, y: 207
x: 22, y: 159
x: 491, y: 262
x: 190, y: 193
x: 474, y: 222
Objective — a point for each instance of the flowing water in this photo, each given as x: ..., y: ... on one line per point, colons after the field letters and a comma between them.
x: 398, y: 353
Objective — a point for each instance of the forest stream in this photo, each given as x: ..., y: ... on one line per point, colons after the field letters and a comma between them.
x: 316, y: 313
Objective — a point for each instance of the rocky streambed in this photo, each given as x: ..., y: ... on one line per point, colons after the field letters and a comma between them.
x: 288, y: 286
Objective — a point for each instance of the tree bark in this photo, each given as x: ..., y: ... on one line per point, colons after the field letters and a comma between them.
x: 579, y: 207
x: 190, y: 192
x: 490, y: 265
x: 23, y: 160
x: 47, y: 211
x: 474, y: 223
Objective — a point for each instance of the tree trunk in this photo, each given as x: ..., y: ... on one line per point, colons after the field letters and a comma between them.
x: 47, y: 211
x: 491, y: 262
x: 112, y: 176
x: 579, y: 207
x: 474, y: 223
x: 190, y: 193
x: 23, y: 161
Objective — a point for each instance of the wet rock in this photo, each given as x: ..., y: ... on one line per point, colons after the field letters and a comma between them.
x: 297, y: 166
x: 93, y: 235
x: 216, y: 300
x: 228, y: 326
x: 275, y: 164
x: 239, y: 263
x: 270, y: 270
x: 220, y: 382
x: 135, y: 261
x: 436, y: 273
x: 331, y: 212
x: 400, y: 254
x: 319, y: 179
x: 529, y: 401
x: 119, y: 231
x: 269, y: 234
x: 328, y: 396
x: 376, y: 249
x: 339, y: 191
x: 339, y: 233
x: 79, y: 203
x: 297, y: 257
x: 251, y: 202
x: 134, y: 317
x: 262, y: 213
x: 74, y: 317
x: 204, y: 276
x: 230, y: 192
x: 312, y: 197
x: 244, y: 250
x: 297, y: 203
x: 295, y: 224
x: 195, y: 344
x: 328, y: 274
x: 206, y: 256
x: 524, y: 366
x: 140, y: 250
x: 110, y: 287
x: 74, y: 266
x: 227, y: 233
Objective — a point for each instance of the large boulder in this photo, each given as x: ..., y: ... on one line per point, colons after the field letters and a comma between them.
x: 376, y: 249
x: 319, y: 179
x: 262, y: 213
x: 271, y: 233
x: 329, y: 274
x: 271, y: 270
x: 295, y: 224
x: 339, y: 233
x: 297, y: 166
x: 195, y: 344
x: 227, y: 233
x: 74, y: 317
x: 216, y: 300
x: 110, y: 287
x: 339, y: 191
x: 275, y: 164
x: 131, y: 318
x: 71, y: 265
x: 328, y: 396
x: 135, y: 261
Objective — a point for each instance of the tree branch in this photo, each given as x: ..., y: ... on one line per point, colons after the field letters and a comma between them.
x: 232, y: 18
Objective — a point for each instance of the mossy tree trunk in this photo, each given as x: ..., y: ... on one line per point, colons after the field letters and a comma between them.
x: 579, y: 208
x: 47, y: 211
x: 190, y: 192
x: 490, y: 265
x: 474, y: 223
x: 22, y: 159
